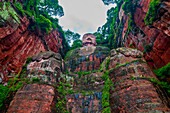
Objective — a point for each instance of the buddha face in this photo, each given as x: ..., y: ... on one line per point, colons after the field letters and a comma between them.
x: 89, y: 40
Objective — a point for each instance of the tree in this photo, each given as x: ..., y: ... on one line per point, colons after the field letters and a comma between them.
x: 76, y: 36
x: 76, y: 44
x: 107, y: 2
x: 52, y: 7
x: 71, y: 36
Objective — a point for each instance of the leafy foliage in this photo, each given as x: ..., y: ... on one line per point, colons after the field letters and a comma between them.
x: 44, y: 24
x: 3, y: 94
x: 41, y: 13
x: 106, y: 94
x: 71, y: 36
x: 52, y: 7
x: 61, y: 101
x: 108, y: 34
x: 76, y: 44
x: 128, y: 7
x: 151, y: 14
x: 163, y: 72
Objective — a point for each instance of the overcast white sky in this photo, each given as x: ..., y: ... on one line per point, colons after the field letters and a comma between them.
x: 83, y: 16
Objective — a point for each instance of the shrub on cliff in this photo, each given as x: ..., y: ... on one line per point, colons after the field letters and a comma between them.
x: 163, y: 72
x: 3, y: 94
x: 41, y: 13
x: 151, y: 14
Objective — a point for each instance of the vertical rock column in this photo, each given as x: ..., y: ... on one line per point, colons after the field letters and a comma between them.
x: 39, y: 97
x: 133, y: 90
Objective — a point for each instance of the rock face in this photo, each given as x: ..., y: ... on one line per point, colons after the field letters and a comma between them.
x: 154, y: 40
x: 79, y: 103
x: 39, y: 97
x: 46, y: 66
x: 87, y: 58
x: 17, y: 42
x: 89, y: 82
x: 33, y: 98
x: 133, y: 89
x: 88, y: 88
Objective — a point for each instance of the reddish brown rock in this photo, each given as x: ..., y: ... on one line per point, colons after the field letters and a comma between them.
x: 89, y: 101
x: 33, y: 98
x: 45, y: 68
x: 17, y: 43
x: 86, y: 58
x: 133, y: 90
x: 78, y: 103
x: 156, y: 35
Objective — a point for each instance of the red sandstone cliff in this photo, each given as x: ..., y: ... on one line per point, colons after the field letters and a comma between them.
x: 156, y: 36
x: 17, y: 42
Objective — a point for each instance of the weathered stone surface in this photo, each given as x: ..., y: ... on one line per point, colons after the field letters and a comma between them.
x: 133, y: 90
x: 129, y: 52
x: 89, y: 101
x: 89, y: 82
x: 33, y: 98
x: 86, y: 58
x: 156, y: 35
x: 78, y: 103
x: 17, y: 42
x: 39, y: 97
x: 47, y: 70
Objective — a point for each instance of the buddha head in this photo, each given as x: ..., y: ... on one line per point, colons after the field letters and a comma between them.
x: 89, y: 40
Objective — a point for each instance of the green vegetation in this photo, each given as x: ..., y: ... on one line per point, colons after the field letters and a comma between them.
x: 107, y: 63
x: 106, y: 94
x: 111, y: 32
x: 71, y: 36
x: 76, y: 44
x: 11, y: 87
x: 40, y: 14
x: 3, y: 94
x: 82, y: 73
x: 13, y: 83
x: 131, y: 44
x: 128, y: 7
x: 152, y: 12
x: 61, y: 101
x: 162, y: 84
x: 162, y: 74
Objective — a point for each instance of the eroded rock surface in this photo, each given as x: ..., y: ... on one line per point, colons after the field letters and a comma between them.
x: 88, y: 93
x: 133, y: 89
x: 39, y: 97
x: 87, y: 58
x: 154, y: 39
x: 17, y: 42
x: 88, y: 103
x: 33, y: 98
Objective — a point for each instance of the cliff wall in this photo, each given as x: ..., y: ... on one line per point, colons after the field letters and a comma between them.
x: 153, y: 40
x: 133, y: 86
x: 17, y: 42
x: 87, y: 58
x: 40, y: 91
